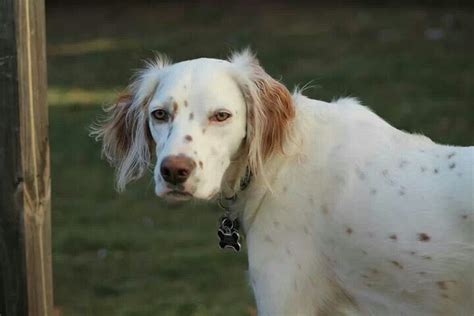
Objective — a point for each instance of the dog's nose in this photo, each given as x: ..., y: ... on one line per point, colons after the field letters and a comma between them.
x: 176, y: 169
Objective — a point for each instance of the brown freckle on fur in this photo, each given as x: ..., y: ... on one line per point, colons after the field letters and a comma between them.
x: 349, y: 230
x: 285, y: 189
x: 423, y: 237
x: 195, y: 152
x: 422, y: 273
x: 442, y: 285
x: 374, y: 271
x: 188, y: 138
x: 427, y: 257
x: 393, y: 237
x: 368, y: 285
x: 365, y: 252
x: 451, y: 155
x: 435, y: 171
x: 412, y: 253
x: 397, y: 264
x: 385, y: 172
x: 464, y: 217
x: 268, y: 239
x: 401, y: 192
x: 191, y: 116
x: 186, y: 102
x: 364, y: 276
x: 452, y: 166
x: 325, y: 209
x: 444, y: 295
x: 201, y: 165
x: 360, y: 174
x: 175, y: 107
x: 403, y: 163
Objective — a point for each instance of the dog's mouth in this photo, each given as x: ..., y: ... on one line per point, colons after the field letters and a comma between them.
x: 178, y: 195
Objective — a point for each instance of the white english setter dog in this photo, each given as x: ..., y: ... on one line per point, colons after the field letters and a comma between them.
x: 343, y: 215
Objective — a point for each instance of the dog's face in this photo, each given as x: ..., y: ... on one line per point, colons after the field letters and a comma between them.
x: 202, y: 122
x: 197, y: 119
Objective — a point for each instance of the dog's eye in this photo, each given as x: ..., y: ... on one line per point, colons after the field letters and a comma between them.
x: 220, y: 116
x: 160, y: 115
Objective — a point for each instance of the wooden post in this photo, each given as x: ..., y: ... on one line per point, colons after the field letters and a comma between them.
x: 25, y: 231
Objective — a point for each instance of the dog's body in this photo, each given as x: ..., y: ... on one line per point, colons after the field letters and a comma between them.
x: 344, y: 215
x: 365, y: 215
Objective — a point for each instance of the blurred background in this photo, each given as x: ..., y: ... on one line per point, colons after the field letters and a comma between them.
x: 131, y: 254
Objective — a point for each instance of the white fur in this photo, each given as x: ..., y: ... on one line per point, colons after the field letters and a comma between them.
x: 356, y: 218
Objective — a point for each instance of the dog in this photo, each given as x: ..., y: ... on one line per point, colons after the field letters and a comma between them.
x: 343, y: 214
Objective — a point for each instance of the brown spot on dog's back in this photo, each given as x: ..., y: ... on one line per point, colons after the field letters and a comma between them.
x: 201, y: 165
x: 451, y: 155
x: 186, y: 102
x: 325, y: 209
x: 175, y: 107
x: 349, y: 230
x: 188, y: 138
x: 452, y: 166
x: 191, y: 116
x: 393, y: 237
x: 397, y: 264
x: 427, y: 257
x: 423, y: 237
x: 442, y: 285
x: 435, y: 171
x: 374, y: 271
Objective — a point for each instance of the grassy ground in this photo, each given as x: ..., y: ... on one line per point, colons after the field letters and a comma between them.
x: 131, y: 254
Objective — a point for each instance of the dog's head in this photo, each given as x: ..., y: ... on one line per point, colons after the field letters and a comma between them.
x: 204, y: 121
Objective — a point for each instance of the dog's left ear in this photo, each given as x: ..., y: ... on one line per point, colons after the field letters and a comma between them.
x: 270, y: 109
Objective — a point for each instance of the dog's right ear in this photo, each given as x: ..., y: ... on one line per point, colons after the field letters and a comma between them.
x: 126, y: 139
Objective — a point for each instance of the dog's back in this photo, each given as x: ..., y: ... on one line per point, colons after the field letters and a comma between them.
x: 382, y: 216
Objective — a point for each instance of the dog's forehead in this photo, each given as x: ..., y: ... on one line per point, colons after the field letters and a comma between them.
x: 199, y: 82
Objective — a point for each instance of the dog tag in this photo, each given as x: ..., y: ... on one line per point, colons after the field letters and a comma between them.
x: 228, y: 233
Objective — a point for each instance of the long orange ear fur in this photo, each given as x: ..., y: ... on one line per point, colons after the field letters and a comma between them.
x: 270, y: 110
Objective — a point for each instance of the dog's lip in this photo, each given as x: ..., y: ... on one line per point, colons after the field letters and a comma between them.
x: 179, y: 194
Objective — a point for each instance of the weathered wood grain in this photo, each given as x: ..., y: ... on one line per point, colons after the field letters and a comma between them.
x: 25, y: 245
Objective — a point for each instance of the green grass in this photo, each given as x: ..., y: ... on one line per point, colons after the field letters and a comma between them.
x: 131, y: 254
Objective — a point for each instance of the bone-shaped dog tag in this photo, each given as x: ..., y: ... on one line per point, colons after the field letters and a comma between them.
x: 228, y: 234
